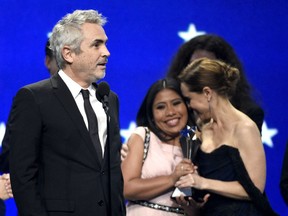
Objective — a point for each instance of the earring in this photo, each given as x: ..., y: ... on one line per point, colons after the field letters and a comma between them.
x: 211, y: 119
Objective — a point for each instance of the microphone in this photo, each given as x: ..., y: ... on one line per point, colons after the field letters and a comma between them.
x: 102, y: 93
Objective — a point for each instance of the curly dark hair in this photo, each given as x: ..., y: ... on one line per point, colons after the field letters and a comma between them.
x: 222, y: 51
x: 48, y: 51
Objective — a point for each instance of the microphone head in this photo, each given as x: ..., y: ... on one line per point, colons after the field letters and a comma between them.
x: 102, y: 90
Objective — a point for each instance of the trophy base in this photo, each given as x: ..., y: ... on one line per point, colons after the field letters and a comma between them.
x: 186, y: 192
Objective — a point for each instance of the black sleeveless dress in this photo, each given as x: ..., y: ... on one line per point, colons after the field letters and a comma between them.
x: 225, y: 164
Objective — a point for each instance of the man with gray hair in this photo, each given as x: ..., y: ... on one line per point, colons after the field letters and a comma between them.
x: 59, y: 157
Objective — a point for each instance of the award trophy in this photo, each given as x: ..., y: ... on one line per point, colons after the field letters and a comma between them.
x: 186, y: 140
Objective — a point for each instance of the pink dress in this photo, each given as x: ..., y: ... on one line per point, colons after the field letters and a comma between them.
x: 161, y: 160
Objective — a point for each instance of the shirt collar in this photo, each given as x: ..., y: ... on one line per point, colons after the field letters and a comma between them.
x: 73, y: 86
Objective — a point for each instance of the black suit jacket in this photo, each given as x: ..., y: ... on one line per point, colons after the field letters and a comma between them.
x: 53, y: 164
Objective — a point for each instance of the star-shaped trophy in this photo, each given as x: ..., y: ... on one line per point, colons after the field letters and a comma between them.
x: 186, y: 140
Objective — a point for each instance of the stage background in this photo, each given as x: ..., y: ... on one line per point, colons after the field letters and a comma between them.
x: 143, y: 37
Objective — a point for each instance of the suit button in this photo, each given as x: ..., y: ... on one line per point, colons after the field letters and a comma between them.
x: 102, y: 172
x: 101, y: 203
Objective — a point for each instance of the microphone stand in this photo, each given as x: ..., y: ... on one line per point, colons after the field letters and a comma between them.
x: 106, y: 109
x: 102, y: 96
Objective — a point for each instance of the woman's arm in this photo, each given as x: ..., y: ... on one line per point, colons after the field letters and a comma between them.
x: 136, y: 188
x: 252, y: 153
x: 248, y: 142
x: 231, y: 189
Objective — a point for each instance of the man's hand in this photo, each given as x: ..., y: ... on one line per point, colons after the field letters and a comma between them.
x: 5, y: 187
x: 124, y: 151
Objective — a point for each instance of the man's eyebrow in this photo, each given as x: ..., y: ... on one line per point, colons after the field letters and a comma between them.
x: 98, y: 41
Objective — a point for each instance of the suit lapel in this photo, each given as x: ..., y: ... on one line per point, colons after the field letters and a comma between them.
x: 64, y: 96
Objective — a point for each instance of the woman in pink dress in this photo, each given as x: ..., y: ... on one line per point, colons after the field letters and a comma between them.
x: 150, y: 172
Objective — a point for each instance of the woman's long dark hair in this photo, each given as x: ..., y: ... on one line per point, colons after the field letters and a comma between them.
x: 222, y: 51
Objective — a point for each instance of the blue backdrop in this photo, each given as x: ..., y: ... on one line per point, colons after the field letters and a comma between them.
x: 143, y: 37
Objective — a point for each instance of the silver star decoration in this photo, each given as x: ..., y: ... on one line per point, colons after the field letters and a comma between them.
x: 2, y: 131
x: 267, y: 134
x: 190, y: 33
x: 125, y: 133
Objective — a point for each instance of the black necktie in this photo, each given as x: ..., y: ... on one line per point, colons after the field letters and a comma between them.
x: 92, y: 123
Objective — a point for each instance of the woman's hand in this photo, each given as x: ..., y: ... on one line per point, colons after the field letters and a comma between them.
x: 191, y: 180
x: 183, y: 168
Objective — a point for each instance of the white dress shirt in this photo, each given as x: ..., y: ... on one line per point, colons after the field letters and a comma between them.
x: 75, y: 90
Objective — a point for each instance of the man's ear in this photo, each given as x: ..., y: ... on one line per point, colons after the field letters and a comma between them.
x: 67, y: 54
x: 47, y: 61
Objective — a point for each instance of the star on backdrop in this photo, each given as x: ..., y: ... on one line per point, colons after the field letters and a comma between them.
x: 125, y: 133
x: 2, y: 131
x: 267, y: 134
x: 190, y: 33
